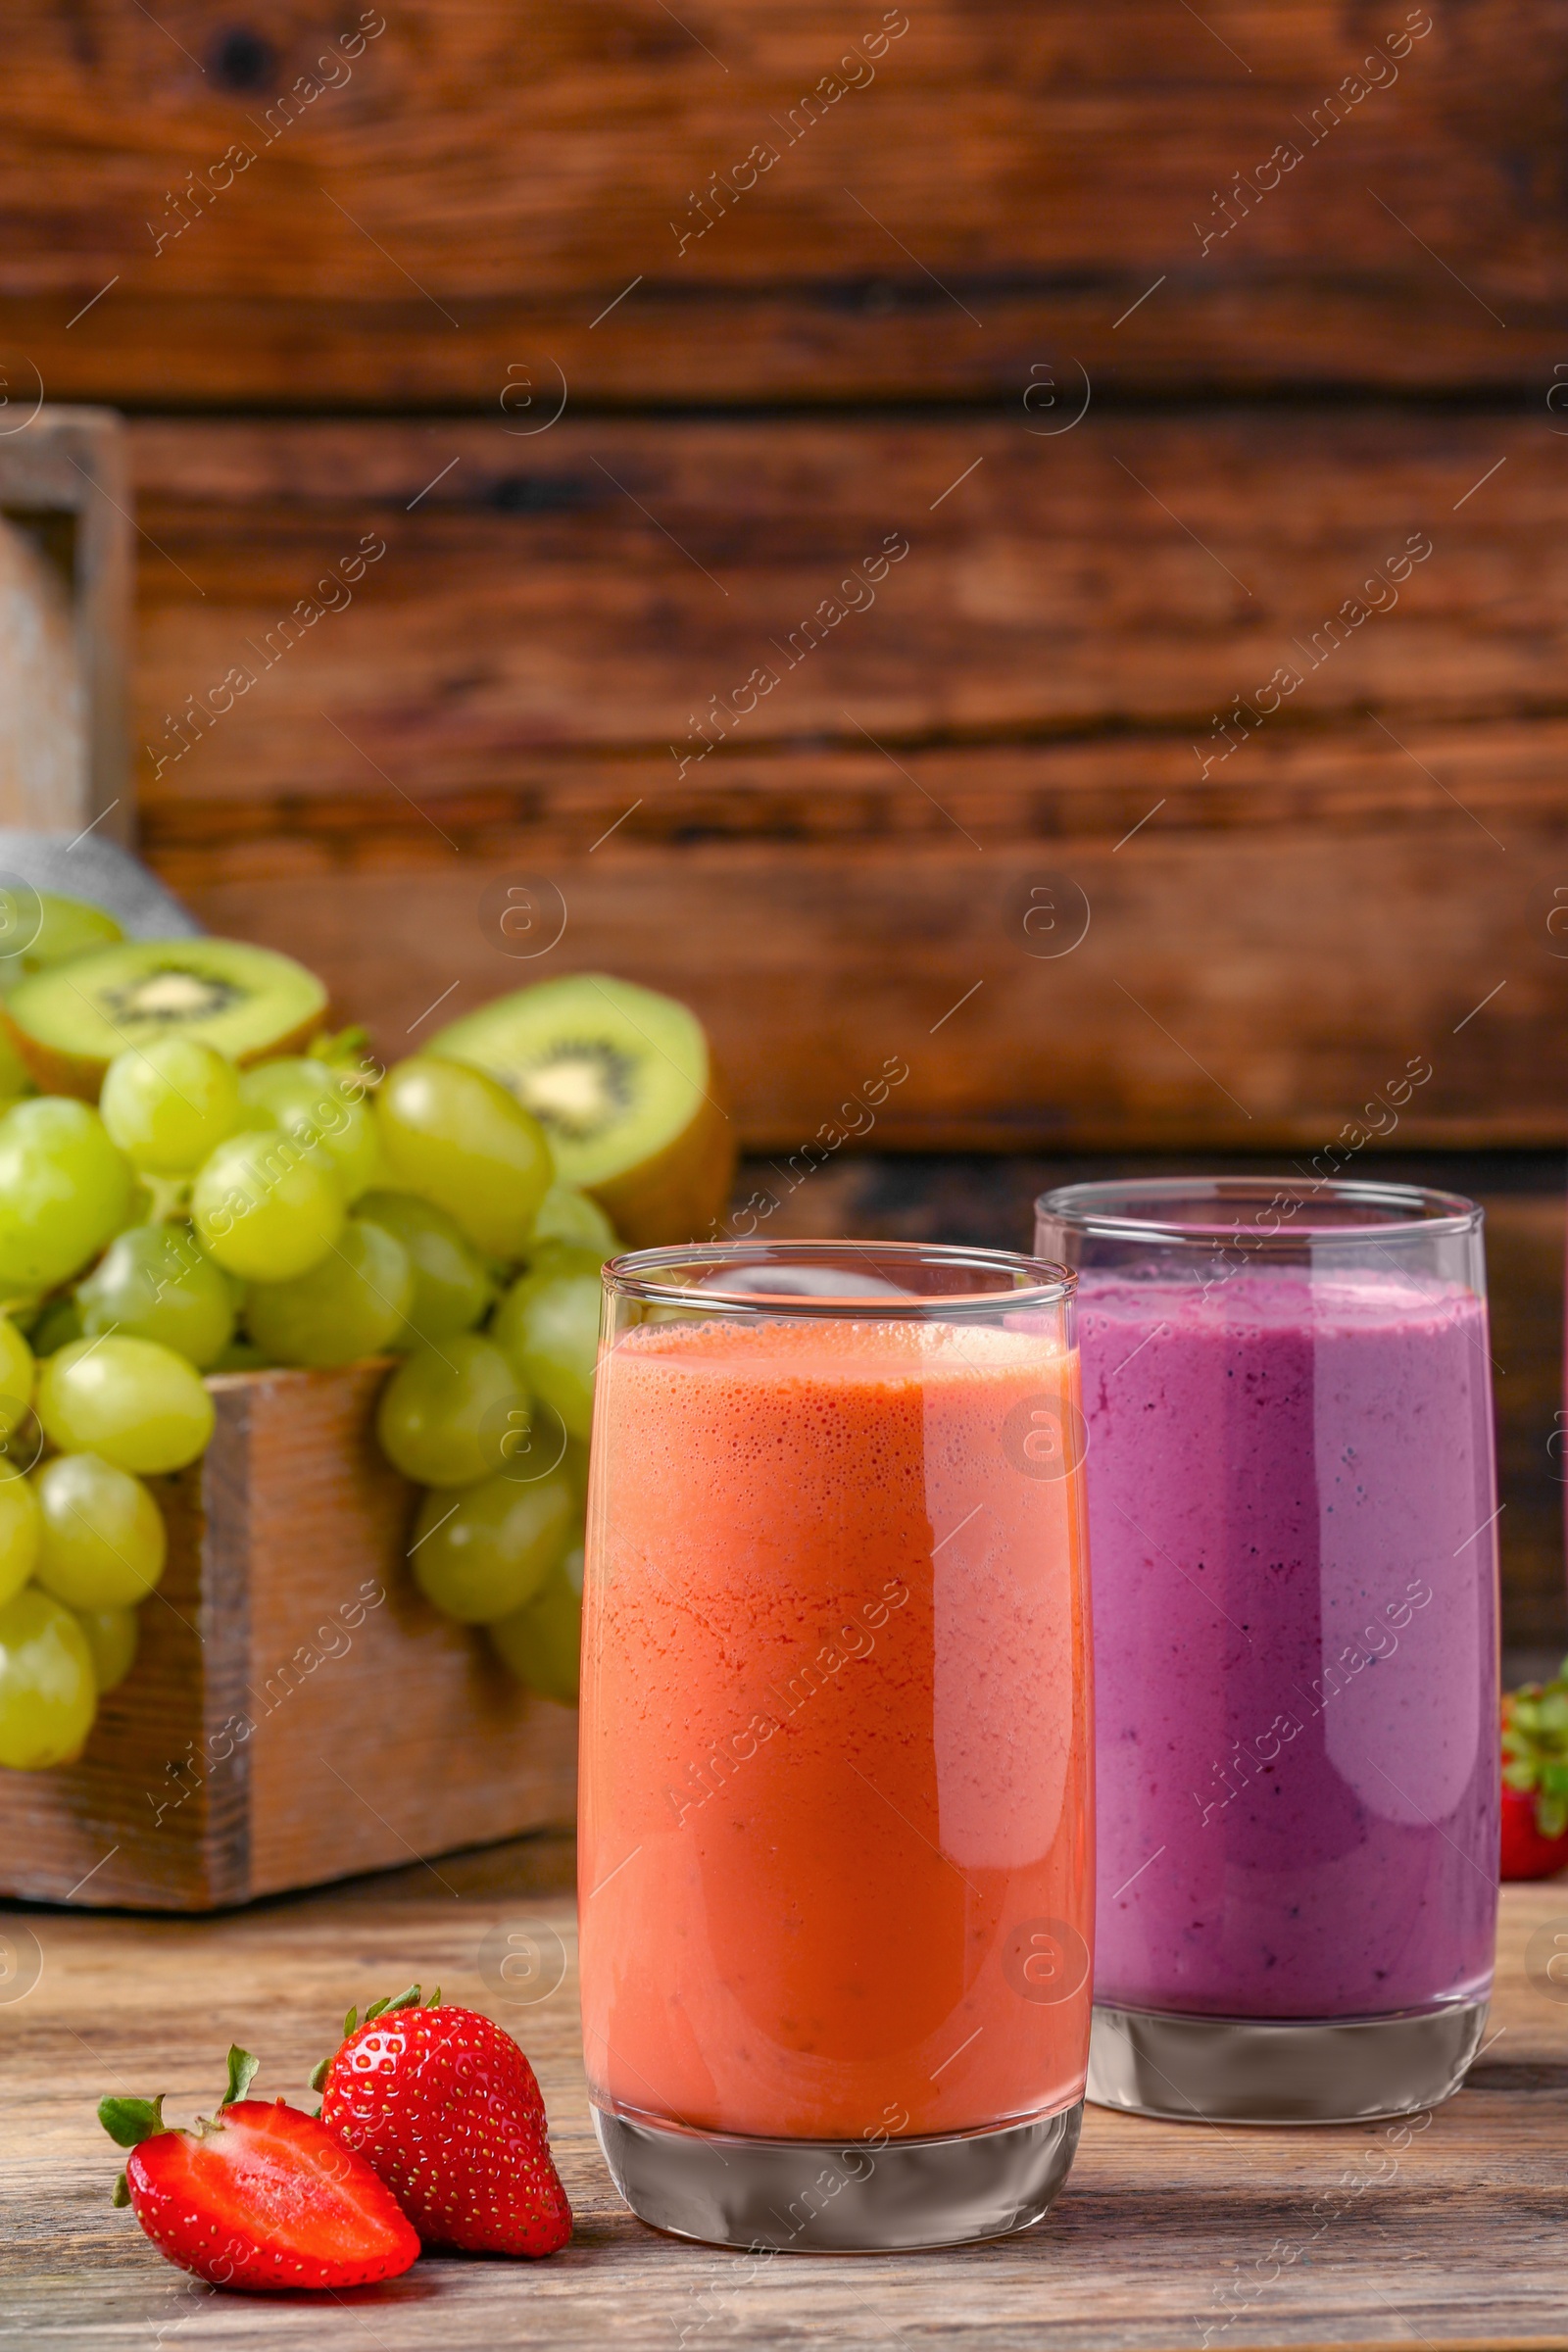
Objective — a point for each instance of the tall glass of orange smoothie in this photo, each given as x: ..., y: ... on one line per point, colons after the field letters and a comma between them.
x: 836, y: 1885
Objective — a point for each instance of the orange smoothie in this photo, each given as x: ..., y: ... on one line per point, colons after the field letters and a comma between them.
x: 836, y: 1873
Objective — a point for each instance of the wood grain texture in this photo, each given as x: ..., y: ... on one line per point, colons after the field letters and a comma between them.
x: 1035, y: 689
x: 297, y: 1712
x: 1254, y: 991
x: 1163, y: 2231
x: 598, y: 591
x: 991, y: 186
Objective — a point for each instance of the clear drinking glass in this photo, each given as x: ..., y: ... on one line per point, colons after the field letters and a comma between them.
x: 836, y: 1874
x: 1292, y: 1512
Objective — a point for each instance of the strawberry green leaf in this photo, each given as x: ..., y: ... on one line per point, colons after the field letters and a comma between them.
x: 350, y: 2021
x: 1535, y: 1749
x: 406, y: 2000
x: 128, y: 2122
x: 318, y: 2072
x: 121, y: 2193
x: 375, y: 2009
x: 243, y: 2070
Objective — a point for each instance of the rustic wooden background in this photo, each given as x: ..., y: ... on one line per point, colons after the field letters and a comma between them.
x: 504, y: 292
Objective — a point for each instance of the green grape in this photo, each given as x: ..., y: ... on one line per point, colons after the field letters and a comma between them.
x: 459, y: 1139
x: 548, y: 1323
x: 58, y: 1325
x: 321, y: 1109
x: 482, y: 1554
x: 575, y: 1220
x: 541, y: 1642
x: 265, y: 1208
x: 141, y: 1406
x: 21, y: 1532
x: 103, y: 1536
x: 153, y: 1283
x: 350, y: 1306
x: 452, y: 1290
x: 437, y: 1411
x: 18, y: 1373
x: 170, y: 1103
x: 112, y: 1636
x: 48, y: 1697
x: 64, y: 1190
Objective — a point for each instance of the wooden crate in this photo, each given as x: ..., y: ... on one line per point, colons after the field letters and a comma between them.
x: 297, y: 1712
x: 66, y: 480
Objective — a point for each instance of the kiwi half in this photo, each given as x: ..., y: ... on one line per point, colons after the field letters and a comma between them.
x: 622, y: 1082
x: 69, y: 1023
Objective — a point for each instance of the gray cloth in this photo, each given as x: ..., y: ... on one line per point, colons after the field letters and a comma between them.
x: 101, y: 872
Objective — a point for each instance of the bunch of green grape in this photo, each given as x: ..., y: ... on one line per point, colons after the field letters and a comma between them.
x: 309, y: 1212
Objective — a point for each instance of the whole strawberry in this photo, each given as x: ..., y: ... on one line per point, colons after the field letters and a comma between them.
x: 257, y: 2196
x: 1535, y: 1779
x: 445, y: 2107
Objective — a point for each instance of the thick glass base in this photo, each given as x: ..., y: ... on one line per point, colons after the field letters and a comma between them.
x: 810, y: 2196
x: 1243, y: 2070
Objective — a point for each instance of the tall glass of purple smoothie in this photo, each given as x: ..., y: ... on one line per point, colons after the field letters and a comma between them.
x: 1293, y: 1555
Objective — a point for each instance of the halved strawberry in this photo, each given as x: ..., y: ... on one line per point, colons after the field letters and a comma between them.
x: 445, y: 2106
x: 258, y: 2196
x: 1535, y: 1779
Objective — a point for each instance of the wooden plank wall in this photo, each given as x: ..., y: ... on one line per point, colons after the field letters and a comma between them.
x: 809, y: 289
x: 1024, y: 536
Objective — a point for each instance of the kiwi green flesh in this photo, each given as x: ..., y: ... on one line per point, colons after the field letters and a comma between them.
x: 615, y: 1073
x: 247, y: 1002
x: 67, y: 928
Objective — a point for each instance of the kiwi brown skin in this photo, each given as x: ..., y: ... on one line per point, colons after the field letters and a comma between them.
x: 680, y: 1194
x: 82, y: 1074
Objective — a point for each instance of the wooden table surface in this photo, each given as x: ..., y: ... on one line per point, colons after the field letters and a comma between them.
x: 1165, y: 2236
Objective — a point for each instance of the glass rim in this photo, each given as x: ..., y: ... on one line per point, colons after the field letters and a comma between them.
x: 1120, y: 1209
x: 635, y: 1274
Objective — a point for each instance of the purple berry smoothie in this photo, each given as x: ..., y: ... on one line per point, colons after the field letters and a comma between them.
x: 1290, y: 1483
